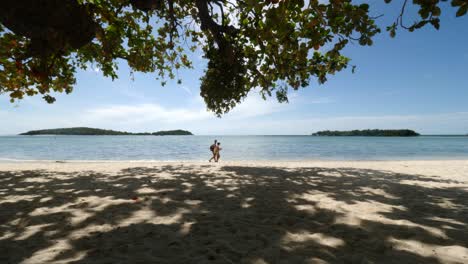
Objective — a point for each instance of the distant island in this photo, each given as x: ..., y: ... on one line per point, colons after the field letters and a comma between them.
x: 370, y: 133
x: 86, y: 131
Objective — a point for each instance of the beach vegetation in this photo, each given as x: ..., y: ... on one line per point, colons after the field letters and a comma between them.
x: 86, y: 131
x: 370, y: 133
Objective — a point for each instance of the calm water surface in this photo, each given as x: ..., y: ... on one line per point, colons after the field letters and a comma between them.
x: 234, y: 148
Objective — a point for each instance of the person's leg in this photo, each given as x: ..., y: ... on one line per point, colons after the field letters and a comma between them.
x: 213, y: 157
x: 217, y: 157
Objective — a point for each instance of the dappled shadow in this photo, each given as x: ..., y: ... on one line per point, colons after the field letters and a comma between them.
x: 232, y: 214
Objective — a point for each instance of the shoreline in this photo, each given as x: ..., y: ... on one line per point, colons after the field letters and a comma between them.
x: 7, y: 160
x: 449, y: 169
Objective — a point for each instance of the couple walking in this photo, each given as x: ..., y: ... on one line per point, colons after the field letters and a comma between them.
x: 215, y: 149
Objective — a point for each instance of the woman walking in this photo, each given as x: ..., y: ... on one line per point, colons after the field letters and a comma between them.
x: 216, y: 151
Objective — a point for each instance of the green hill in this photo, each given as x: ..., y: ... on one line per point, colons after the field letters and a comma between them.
x: 370, y: 133
x: 178, y: 132
x: 86, y: 131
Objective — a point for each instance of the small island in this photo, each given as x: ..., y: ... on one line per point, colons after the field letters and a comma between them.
x: 87, y: 131
x: 178, y: 132
x: 370, y: 133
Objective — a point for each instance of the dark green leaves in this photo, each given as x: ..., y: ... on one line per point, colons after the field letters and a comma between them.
x: 463, y: 7
x: 429, y: 12
x: 462, y: 10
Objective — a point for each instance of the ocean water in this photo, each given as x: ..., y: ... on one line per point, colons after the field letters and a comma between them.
x: 169, y: 148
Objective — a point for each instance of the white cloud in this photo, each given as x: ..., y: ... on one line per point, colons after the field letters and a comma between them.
x: 445, y: 123
x: 257, y: 116
x: 144, y: 113
x: 255, y: 106
x: 253, y: 116
x: 187, y: 89
x: 131, y: 92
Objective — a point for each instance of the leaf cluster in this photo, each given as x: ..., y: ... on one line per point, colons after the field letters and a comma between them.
x: 270, y: 45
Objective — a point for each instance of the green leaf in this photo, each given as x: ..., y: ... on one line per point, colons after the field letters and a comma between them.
x: 462, y: 10
x: 436, y: 23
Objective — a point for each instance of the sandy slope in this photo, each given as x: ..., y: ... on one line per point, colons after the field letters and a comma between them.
x: 234, y: 212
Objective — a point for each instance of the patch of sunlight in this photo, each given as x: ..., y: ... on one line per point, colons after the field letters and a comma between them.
x: 146, y: 190
x: 432, y: 230
x: 71, y: 190
x: 446, y: 220
x: 354, y: 214
x: 431, y: 184
x: 187, y: 184
x: 445, y: 254
x: 37, y: 179
x: 193, y: 202
x: 170, y: 219
x: 7, y: 235
x: 368, y: 208
x: 185, y: 228
x: 245, y: 205
x: 247, y: 202
x: 258, y: 261
x: 17, y: 198
x: 93, y: 203
x: 49, y: 254
x: 319, y: 238
x: 149, y: 216
x: 146, y: 215
x: 79, y: 216
x: 166, y: 190
x: 330, y: 173
x: 66, y: 184
x: 348, y: 219
x: 317, y: 261
x: 325, y: 201
x: 45, y: 199
x: 448, y: 204
x: 91, y: 228
x: 379, y: 192
x: 233, y: 188
x: 308, y: 208
x: 165, y: 200
x: 84, y: 208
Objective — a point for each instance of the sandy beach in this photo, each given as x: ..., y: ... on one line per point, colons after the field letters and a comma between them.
x: 234, y: 212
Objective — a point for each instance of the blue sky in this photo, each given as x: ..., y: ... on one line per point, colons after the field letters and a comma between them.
x: 417, y: 80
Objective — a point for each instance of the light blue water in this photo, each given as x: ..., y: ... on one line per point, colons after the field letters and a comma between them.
x: 234, y: 148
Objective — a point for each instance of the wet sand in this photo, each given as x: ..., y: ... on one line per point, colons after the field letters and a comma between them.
x: 234, y: 212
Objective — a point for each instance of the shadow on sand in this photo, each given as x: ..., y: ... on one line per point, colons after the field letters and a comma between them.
x: 198, y: 214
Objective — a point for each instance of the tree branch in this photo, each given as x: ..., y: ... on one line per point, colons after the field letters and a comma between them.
x: 207, y: 23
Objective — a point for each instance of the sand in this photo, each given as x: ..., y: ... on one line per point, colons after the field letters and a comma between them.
x: 234, y: 212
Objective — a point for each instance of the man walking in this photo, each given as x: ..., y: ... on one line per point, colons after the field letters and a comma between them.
x: 212, y: 149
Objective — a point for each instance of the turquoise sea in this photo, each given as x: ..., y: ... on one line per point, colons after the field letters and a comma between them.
x: 170, y: 148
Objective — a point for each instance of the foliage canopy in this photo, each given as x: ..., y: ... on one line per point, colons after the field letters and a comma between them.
x: 370, y: 133
x: 273, y: 45
x: 87, y: 131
